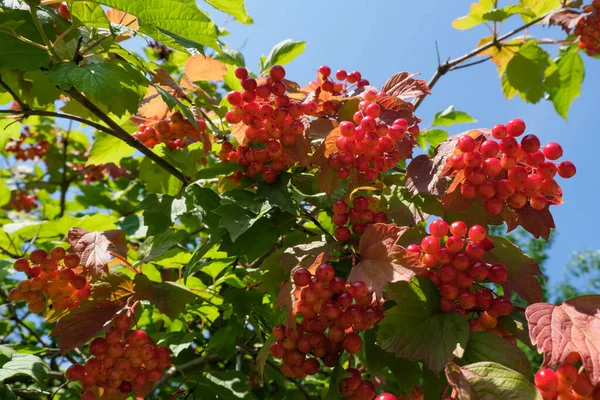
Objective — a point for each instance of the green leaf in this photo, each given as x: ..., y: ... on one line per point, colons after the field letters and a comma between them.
x: 278, y: 193
x: 407, y: 373
x: 338, y: 373
x: 158, y: 180
x: 500, y: 14
x: 432, y: 136
x: 223, y: 340
x: 539, y: 8
x: 235, y: 8
x: 14, y: 53
x: 174, y: 102
x: 108, y: 149
x: 526, y: 71
x: 175, y: 23
x: 238, y: 220
x: 25, y: 364
x: 485, y: 346
x: 220, y: 169
x: 571, y: 72
x: 212, y: 241
x: 475, y: 16
x: 117, y: 86
x: 490, y: 380
x: 7, y: 394
x: 89, y: 13
x: 169, y: 297
x: 226, y: 385
x: 230, y: 79
x: 9, y: 129
x: 161, y: 211
x: 4, y: 194
x: 450, y: 116
x: 155, y: 246
x: 413, y: 329
x: 283, y: 52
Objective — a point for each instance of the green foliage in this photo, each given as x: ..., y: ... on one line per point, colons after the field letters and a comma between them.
x: 282, y: 53
x: 450, y: 116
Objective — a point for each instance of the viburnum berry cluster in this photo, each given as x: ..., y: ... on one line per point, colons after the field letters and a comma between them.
x: 360, y: 216
x: 52, y: 277
x: 503, y: 172
x: 331, y: 313
x: 95, y: 173
x: 34, y: 151
x: 367, y: 144
x: 452, y: 255
x: 588, y: 29
x: 121, y: 361
x: 356, y: 388
x: 566, y: 382
x: 22, y: 201
x: 176, y: 132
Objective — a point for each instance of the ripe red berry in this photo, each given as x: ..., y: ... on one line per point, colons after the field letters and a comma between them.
x: 477, y: 233
x: 72, y: 260
x: 352, y: 343
x: 515, y: 127
x: 57, y: 253
x: 241, y: 73
x: 566, y: 169
x: 37, y: 256
x: 466, y: 143
x: 509, y: 145
x: 277, y: 72
x: 458, y: 228
x: 75, y: 372
x: 553, y: 151
x: 499, y: 131
x: 430, y: 244
x: 567, y: 374
x: 530, y: 143
x: 438, y: 228
x: 342, y: 234
x: 98, y: 347
x: 358, y: 289
x: 21, y: 265
x: 546, y: 380
x: 497, y: 274
x: 325, y: 272
x: 302, y: 277
x: 138, y: 338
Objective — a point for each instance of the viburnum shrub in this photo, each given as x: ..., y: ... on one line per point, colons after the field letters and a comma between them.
x: 179, y: 224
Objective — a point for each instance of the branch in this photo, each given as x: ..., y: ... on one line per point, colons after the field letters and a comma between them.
x: 64, y: 185
x: 38, y: 25
x: 175, y: 370
x: 450, y: 65
x: 122, y: 134
x: 27, y: 112
x: 293, y: 380
x: 14, y: 95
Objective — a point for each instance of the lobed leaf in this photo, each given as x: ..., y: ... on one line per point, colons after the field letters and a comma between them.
x: 169, y: 297
x: 94, y: 248
x: 403, y: 86
x: 202, y: 68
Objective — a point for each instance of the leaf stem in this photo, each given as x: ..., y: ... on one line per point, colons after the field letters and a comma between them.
x: 38, y: 25
x: 28, y: 41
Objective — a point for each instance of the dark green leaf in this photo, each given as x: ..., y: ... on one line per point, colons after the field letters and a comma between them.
x: 450, y: 116
x: 238, y: 220
x: 155, y: 246
x: 169, y: 297
x: 223, y: 340
x: 413, y: 329
x: 15, y: 53
x: 337, y: 375
x: 161, y: 211
x: 24, y: 364
x: 526, y: 71
x: 226, y: 385
x: 485, y: 346
x: 278, y: 193
x: 221, y: 169
x: 213, y: 240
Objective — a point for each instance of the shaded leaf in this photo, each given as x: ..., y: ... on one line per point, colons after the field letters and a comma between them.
x: 573, y: 326
x: 79, y: 326
x: 522, y: 269
x: 169, y: 297
x: 24, y: 364
x: 413, y: 329
x: 566, y: 19
x: 15, y: 53
x: 94, y: 248
x: 484, y: 346
x: 155, y: 246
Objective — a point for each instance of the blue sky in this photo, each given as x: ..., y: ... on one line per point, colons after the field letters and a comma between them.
x: 381, y: 37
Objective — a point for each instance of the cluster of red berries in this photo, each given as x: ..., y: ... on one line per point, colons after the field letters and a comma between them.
x: 121, y: 361
x: 566, y: 383
x: 457, y: 265
x: 52, y: 277
x: 21, y: 152
x: 176, y: 132
x: 416, y: 394
x: 360, y: 217
x: 369, y: 145
x: 95, y: 173
x: 326, y: 304
x: 506, y: 172
x: 273, y: 123
x: 21, y: 201
x: 588, y: 29
x: 162, y: 51
x: 63, y: 10
x: 356, y: 388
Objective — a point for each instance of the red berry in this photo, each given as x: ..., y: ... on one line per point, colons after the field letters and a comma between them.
x: 567, y: 374
x: 566, y: 169
x: 546, y: 380
x: 277, y: 72
x: 458, y: 228
x: 358, y: 289
x: 98, y: 347
x: 477, y: 233
x: 72, y: 260
x: 499, y: 131
x: 497, y: 274
x: 75, y: 372
x: 466, y: 143
x: 553, y: 151
x: 438, y: 228
x: 342, y: 234
x: 325, y: 272
x: 37, y: 256
x: 530, y: 143
x: 302, y: 277
x: 138, y: 338
x: 352, y: 343
x: 515, y: 127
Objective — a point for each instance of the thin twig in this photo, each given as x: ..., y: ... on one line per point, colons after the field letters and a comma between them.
x: 38, y: 25
x: 14, y: 95
x: 64, y: 186
x: 58, y: 389
x: 471, y: 64
x: 448, y: 66
x: 43, y: 113
x: 294, y: 381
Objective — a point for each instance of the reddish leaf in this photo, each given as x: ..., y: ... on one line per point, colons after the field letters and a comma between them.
x: 115, y: 286
x: 94, y: 248
x: 320, y: 128
x: 125, y: 19
x: 162, y: 77
x: 185, y: 83
x: 76, y: 328
x: 153, y: 106
x: 238, y: 131
x: 567, y: 19
x: 169, y: 297
x: 382, y: 260
x: 328, y: 180
x: 423, y: 176
x: 301, y: 256
x: 403, y: 86
x: 537, y: 222
x: 394, y: 108
x: 574, y: 326
x: 289, y: 294
x: 522, y: 269
x: 202, y: 68
x: 330, y: 142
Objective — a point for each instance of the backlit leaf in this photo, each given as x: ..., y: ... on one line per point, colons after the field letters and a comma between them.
x: 235, y: 8
x: 526, y: 71
x: 202, y: 68
x: 484, y: 346
x: 108, y: 149
x: 403, y: 86
x: 450, y: 116
x: 283, y: 52
x: 571, y: 72
x: 94, y: 248
x: 475, y: 16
